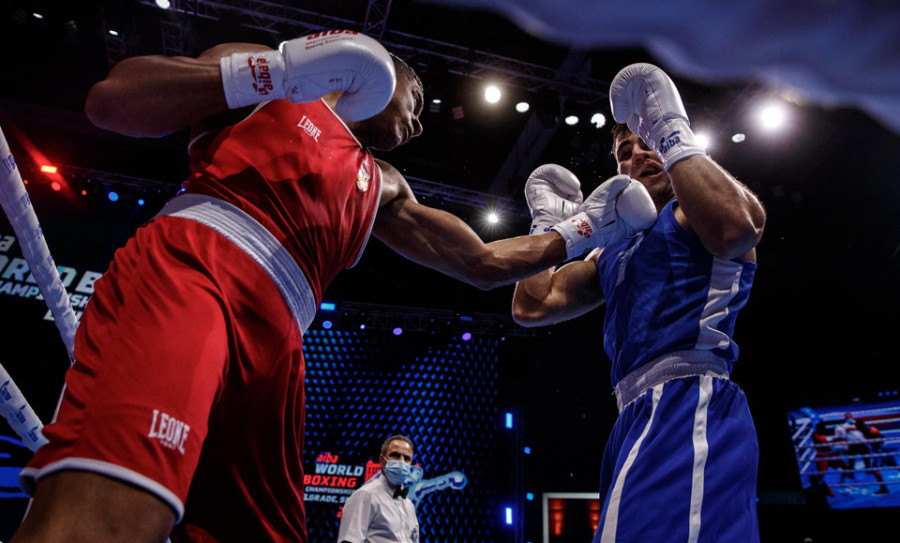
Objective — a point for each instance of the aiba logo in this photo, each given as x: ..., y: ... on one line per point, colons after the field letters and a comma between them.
x: 666, y: 143
x: 583, y: 228
x: 262, y: 78
x: 171, y: 432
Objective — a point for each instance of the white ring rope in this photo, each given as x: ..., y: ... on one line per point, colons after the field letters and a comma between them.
x: 18, y: 209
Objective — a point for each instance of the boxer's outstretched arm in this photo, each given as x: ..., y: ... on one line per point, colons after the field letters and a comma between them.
x: 441, y: 241
x: 154, y: 95
x: 554, y: 296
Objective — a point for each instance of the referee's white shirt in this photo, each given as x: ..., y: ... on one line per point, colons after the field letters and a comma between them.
x: 373, y: 515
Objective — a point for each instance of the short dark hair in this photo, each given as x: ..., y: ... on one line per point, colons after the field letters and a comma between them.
x: 619, y: 131
x: 405, y: 70
x: 395, y: 437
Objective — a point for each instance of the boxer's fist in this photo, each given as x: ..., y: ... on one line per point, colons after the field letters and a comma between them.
x: 553, y: 193
x: 645, y: 98
x: 307, y: 68
x: 619, y: 208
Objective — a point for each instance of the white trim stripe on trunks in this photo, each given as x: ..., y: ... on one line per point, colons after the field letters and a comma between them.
x: 252, y: 238
x: 670, y: 366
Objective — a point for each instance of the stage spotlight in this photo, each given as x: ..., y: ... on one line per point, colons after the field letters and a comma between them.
x: 509, y: 420
x: 113, y: 196
x: 46, y: 168
x: 773, y: 116
x: 467, y: 336
x: 113, y: 33
x: 492, y: 94
x: 493, y: 218
x: 398, y: 331
x: 529, y: 496
x: 37, y: 16
x: 509, y: 515
x: 164, y: 4
x: 738, y: 138
x: 572, y: 120
x: 327, y: 325
x: 56, y: 186
x: 522, y: 107
x: 598, y: 120
x: 140, y: 201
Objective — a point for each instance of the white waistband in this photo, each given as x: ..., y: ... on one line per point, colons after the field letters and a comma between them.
x: 252, y: 238
x: 665, y: 368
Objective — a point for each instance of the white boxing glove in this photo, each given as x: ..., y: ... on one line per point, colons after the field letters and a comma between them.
x: 618, y: 209
x: 645, y: 98
x: 553, y: 193
x: 305, y: 69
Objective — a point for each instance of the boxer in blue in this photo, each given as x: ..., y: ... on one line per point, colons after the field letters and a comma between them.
x: 681, y: 461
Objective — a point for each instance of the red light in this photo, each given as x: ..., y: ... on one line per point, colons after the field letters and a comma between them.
x: 55, y: 186
x: 25, y: 181
x: 46, y: 168
x: 84, y: 193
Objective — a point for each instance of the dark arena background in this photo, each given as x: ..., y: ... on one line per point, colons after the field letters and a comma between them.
x: 509, y: 423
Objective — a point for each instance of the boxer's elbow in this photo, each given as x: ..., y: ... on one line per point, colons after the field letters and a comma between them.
x: 99, y: 106
x: 527, y: 316
x: 737, y: 239
x: 107, y: 108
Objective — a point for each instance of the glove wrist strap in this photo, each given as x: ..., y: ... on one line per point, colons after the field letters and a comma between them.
x: 578, y: 233
x: 673, y: 140
x: 250, y: 78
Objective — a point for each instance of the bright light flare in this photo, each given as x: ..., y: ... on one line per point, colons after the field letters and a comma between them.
x: 703, y: 140
x: 523, y: 107
x: 773, y: 116
x: 572, y: 120
x: 46, y: 168
x: 598, y: 120
x: 492, y: 94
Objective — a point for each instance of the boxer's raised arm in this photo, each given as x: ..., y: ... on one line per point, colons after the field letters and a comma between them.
x: 154, y: 95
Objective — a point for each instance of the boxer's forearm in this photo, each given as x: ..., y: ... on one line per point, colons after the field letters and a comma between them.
x: 152, y: 96
x: 724, y: 214
x: 555, y: 296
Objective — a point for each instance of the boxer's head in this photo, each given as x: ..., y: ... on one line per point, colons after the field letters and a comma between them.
x: 399, y: 121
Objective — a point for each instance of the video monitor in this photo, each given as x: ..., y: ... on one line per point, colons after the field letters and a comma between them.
x: 847, y: 453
